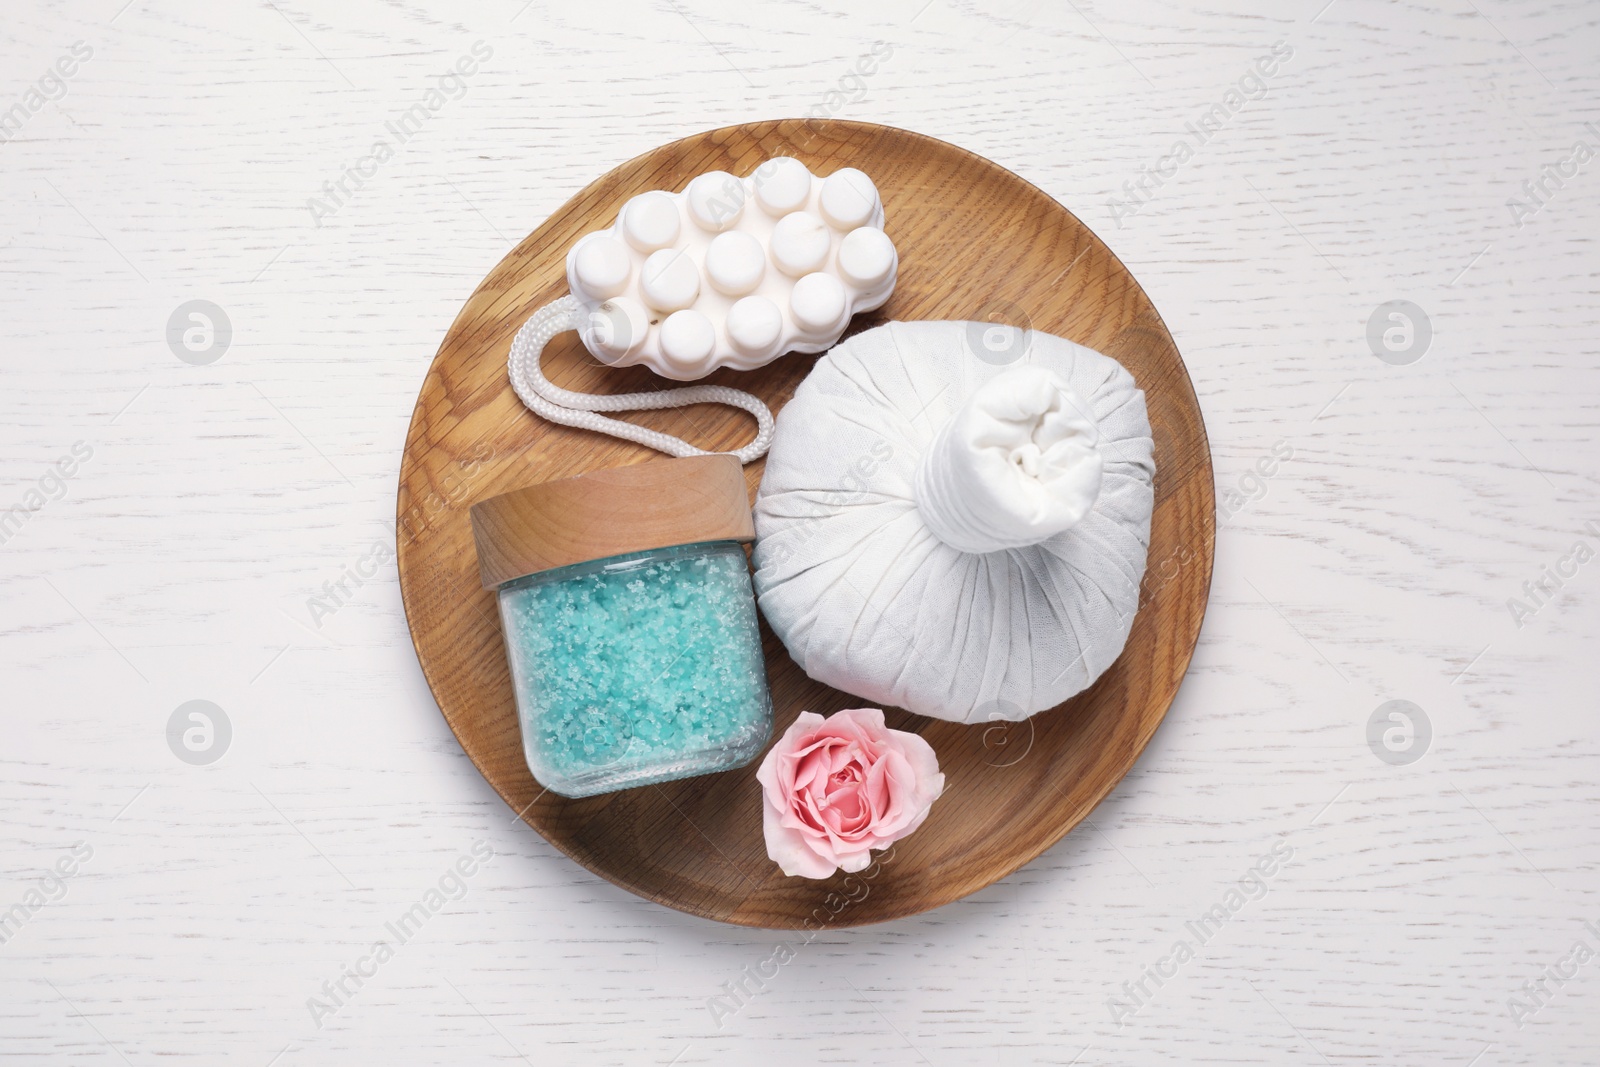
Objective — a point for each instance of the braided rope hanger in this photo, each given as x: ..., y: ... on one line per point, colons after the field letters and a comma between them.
x: 568, y: 408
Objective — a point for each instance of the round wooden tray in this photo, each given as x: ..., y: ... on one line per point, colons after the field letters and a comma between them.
x: 976, y: 242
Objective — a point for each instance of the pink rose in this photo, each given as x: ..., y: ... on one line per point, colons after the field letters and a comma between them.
x: 836, y: 788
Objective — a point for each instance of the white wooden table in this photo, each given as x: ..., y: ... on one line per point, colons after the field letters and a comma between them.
x: 212, y: 910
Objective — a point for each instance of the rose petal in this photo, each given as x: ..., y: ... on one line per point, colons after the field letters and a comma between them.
x: 855, y: 861
x: 793, y: 852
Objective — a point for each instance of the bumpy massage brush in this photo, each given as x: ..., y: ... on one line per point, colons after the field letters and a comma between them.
x: 730, y: 272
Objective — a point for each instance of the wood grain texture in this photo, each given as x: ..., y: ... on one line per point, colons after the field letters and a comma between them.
x: 975, y: 242
x: 609, y: 512
x: 192, y: 555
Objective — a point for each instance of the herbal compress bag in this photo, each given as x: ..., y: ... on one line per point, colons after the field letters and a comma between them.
x: 955, y: 526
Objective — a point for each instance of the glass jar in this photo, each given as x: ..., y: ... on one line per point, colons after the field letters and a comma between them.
x: 631, y: 662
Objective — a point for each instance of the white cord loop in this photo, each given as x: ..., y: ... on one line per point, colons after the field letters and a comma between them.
x: 579, y: 409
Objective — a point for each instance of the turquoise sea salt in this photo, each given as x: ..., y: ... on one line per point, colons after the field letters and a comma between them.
x: 637, y: 668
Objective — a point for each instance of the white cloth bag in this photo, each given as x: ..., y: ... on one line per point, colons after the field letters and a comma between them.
x: 960, y: 537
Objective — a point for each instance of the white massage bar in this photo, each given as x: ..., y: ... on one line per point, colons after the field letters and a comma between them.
x: 732, y: 272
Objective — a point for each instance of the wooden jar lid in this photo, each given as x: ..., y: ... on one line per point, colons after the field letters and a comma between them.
x: 611, y: 512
